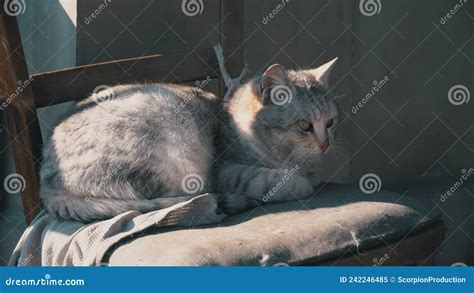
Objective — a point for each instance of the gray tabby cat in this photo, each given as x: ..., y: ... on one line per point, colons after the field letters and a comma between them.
x: 148, y: 147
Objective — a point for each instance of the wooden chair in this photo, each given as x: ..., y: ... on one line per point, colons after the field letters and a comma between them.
x: 50, y: 88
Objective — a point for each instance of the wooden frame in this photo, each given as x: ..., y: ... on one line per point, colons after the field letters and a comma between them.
x: 71, y: 84
x: 21, y: 121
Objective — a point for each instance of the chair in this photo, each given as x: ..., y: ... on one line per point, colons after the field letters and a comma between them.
x: 71, y: 84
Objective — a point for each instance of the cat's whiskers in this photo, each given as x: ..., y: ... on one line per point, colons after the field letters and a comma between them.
x: 338, y: 152
x: 303, y: 154
x: 335, y: 147
x: 342, y: 152
x: 339, y: 141
x: 338, y: 97
x: 288, y: 160
x: 340, y: 145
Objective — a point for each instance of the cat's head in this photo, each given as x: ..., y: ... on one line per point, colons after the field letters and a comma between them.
x: 298, y: 117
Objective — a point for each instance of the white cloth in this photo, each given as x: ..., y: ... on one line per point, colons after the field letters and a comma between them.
x: 49, y: 242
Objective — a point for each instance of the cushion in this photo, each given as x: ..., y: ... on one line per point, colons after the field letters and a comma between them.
x: 336, y: 219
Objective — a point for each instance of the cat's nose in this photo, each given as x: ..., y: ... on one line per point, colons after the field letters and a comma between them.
x: 324, y: 146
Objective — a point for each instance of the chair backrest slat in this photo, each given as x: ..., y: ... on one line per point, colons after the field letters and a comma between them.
x: 76, y: 83
x: 22, y: 94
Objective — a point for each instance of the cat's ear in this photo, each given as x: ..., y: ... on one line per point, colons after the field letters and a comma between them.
x: 322, y: 72
x: 275, y: 75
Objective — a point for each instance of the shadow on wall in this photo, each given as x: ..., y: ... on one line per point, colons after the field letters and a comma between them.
x: 418, y: 123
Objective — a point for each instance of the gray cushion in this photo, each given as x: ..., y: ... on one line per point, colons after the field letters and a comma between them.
x: 337, y: 219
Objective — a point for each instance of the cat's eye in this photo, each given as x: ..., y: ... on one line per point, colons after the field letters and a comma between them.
x: 304, y: 125
x: 329, y: 123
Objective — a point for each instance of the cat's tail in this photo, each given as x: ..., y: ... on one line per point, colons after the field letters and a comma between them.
x: 96, y: 209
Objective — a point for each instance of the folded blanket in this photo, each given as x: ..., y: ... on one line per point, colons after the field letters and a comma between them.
x: 49, y: 242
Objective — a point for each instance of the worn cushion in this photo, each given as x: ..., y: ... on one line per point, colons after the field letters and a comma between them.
x: 336, y: 219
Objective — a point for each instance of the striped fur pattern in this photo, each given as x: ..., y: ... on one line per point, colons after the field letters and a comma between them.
x: 149, y: 146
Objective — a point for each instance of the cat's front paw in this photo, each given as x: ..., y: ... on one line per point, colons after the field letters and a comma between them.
x: 289, y: 187
x: 313, y: 178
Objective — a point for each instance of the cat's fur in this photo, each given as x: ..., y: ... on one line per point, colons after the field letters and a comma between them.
x: 135, y: 149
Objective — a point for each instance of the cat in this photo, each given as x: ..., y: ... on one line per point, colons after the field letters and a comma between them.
x: 149, y: 146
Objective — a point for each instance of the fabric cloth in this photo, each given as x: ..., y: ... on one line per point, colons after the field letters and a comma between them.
x: 48, y: 242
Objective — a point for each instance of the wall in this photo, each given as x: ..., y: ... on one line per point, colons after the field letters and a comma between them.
x: 412, y: 126
x: 409, y: 133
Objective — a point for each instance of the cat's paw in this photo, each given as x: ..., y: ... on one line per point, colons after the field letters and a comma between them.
x: 289, y: 187
x: 313, y: 178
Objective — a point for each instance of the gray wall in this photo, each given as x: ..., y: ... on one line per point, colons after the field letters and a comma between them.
x: 408, y: 133
x: 407, y: 43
